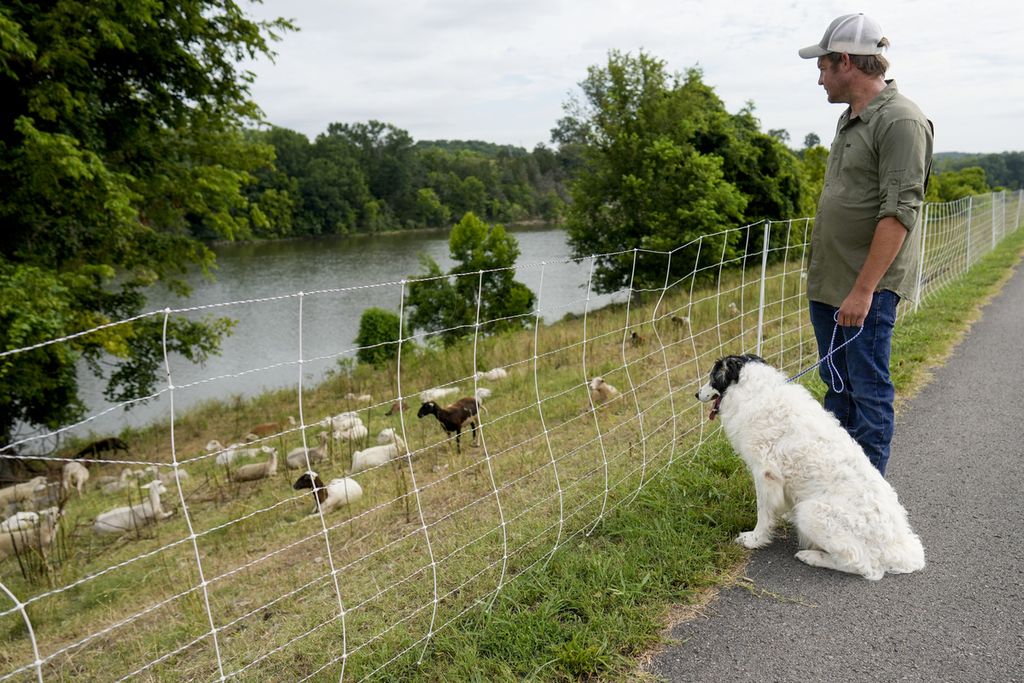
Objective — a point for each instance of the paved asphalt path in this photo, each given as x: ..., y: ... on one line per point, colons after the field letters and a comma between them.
x: 958, y: 467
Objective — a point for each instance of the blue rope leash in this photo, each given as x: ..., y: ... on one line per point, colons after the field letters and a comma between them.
x: 833, y: 371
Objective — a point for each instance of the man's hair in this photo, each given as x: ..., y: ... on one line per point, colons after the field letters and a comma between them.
x: 872, y: 65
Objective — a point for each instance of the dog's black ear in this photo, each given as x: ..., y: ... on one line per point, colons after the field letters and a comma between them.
x: 753, y: 357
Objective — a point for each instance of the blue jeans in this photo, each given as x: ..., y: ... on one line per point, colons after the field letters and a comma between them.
x: 865, y: 406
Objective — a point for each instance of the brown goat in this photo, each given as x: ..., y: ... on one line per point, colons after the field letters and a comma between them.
x: 454, y: 417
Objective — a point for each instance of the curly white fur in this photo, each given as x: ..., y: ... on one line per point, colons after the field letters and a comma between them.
x: 809, y: 470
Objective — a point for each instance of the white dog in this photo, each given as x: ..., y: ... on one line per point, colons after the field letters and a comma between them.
x: 809, y: 470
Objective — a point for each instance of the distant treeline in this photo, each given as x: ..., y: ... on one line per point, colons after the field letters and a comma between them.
x: 1002, y: 170
x: 368, y: 177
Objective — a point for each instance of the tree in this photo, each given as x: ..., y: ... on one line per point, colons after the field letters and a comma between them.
x: 945, y: 187
x: 811, y: 140
x: 121, y: 142
x: 446, y: 304
x: 644, y: 181
x: 378, y: 336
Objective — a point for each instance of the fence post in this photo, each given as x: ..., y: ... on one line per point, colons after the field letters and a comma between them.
x: 992, y: 197
x: 1016, y: 221
x: 970, y: 209
x: 920, y: 260
x: 764, y: 277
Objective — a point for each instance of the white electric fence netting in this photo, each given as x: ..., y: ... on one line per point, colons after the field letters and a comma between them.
x: 237, y: 572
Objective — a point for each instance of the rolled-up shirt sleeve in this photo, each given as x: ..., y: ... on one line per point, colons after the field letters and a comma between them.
x: 903, y: 169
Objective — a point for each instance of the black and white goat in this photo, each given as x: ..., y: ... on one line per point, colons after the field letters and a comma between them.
x: 454, y: 417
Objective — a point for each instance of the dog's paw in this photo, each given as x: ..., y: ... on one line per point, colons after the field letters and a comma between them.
x: 811, y: 557
x: 748, y: 539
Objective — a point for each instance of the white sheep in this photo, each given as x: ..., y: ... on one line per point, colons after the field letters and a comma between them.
x: 297, y: 457
x: 26, y: 519
x: 493, y: 374
x: 377, y: 455
x: 135, y: 516
x: 481, y: 394
x: 354, y: 433
x: 115, y: 484
x: 338, y: 492
x: 23, y: 492
x: 437, y: 394
x: 341, y: 421
x: 256, y: 471
x: 235, y: 451
x: 167, y: 477
x: 38, y: 536
x: 359, y: 398
x: 75, y: 474
x: 601, y: 391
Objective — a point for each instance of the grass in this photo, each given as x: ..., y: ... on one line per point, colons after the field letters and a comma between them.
x: 641, y: 518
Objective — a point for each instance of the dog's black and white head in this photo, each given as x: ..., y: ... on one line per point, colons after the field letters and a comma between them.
x: 724, y: 374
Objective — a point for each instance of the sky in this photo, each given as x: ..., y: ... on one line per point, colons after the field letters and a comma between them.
x: 501, y: 70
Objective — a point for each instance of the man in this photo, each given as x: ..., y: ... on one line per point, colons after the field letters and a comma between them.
x: 864, y: 247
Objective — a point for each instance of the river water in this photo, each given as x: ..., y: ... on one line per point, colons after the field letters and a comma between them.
x: 259, y: 284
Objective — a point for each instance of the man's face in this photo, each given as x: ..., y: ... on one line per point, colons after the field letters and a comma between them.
x: 830, y: 77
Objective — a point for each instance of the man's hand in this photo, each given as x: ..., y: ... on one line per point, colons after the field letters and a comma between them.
x: 854, y: 310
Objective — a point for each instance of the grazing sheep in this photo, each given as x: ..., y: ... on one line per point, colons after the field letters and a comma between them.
x: 75, y: 475
x: 359, y: 398
x: 38, y: 535
x: 635, y: 339
x: 23, y: 492
x: 481, y: 394
x: 256, y: 471
x: 353, y: 433
x: 733, y: 309
x: 338, y: 492
x: 396, y: 407
x: 493, y: 374
x: 270, y: 428
x: 378, y: 455
x: 454, y: 417
x: 601, y: 391
x: 112, y: 444
x: 680, y: 320
x: 131, y: 517
x: 296, y: 457
x: 438, y: 393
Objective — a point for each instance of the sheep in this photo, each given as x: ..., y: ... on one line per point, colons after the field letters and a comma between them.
x: 733, y: 309
x: 680, y: 320
x: 493, y: 374
x: 269, y: 428
x: 38, y: 536
x: 601, y: 391
x: 112, y: 485
x: 360, y: 398
x: 233, y: 452
x: 135, y: 516
x: 256, y: 471
x: 635, y: 339
x: 396, y: 407
x: 338, y: 492
x: 296, y: 457
x: 354, y: 433
x: 480, y: 394
x: 438, y: 393
x: 23, y: 492
x: 378, y: 455
x: 112, y: 444
x: 75, y: 475
x: 341, y: 421
x: 166, y: 478
x: 26, y: 519
x: 454, y: 417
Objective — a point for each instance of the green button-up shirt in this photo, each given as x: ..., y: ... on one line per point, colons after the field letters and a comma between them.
x: 877, y: 167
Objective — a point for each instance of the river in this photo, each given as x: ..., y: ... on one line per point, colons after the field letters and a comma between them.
x: 258, y: 284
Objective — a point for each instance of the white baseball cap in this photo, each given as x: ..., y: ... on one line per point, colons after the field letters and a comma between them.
x: 854, y: 34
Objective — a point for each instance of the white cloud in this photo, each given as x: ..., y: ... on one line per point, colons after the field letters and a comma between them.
x: 500, y: 71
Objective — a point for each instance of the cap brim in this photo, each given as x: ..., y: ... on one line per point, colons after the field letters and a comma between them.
x: 812, y: 51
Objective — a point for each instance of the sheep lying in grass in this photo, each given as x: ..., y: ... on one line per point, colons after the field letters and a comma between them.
x: 266, y: 429
x: 359, y: 398
x: 167, y: 477
x: 493, y: 374
x: 338, y: 492
x: 38, y: 536
x: 378, y: 455
x: 256, y: 471
x: 354, y: 433
x: 601, y: 391
x: 234, y: 452
x: 341, y: 421
x: 23, y: 492
x: 297, y: 457
x: 74, y: 476
x: 438, y: 394
x: 26, y: 519
x: 136, y: 516
x: 454, y: 417
x: 109, y: 484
